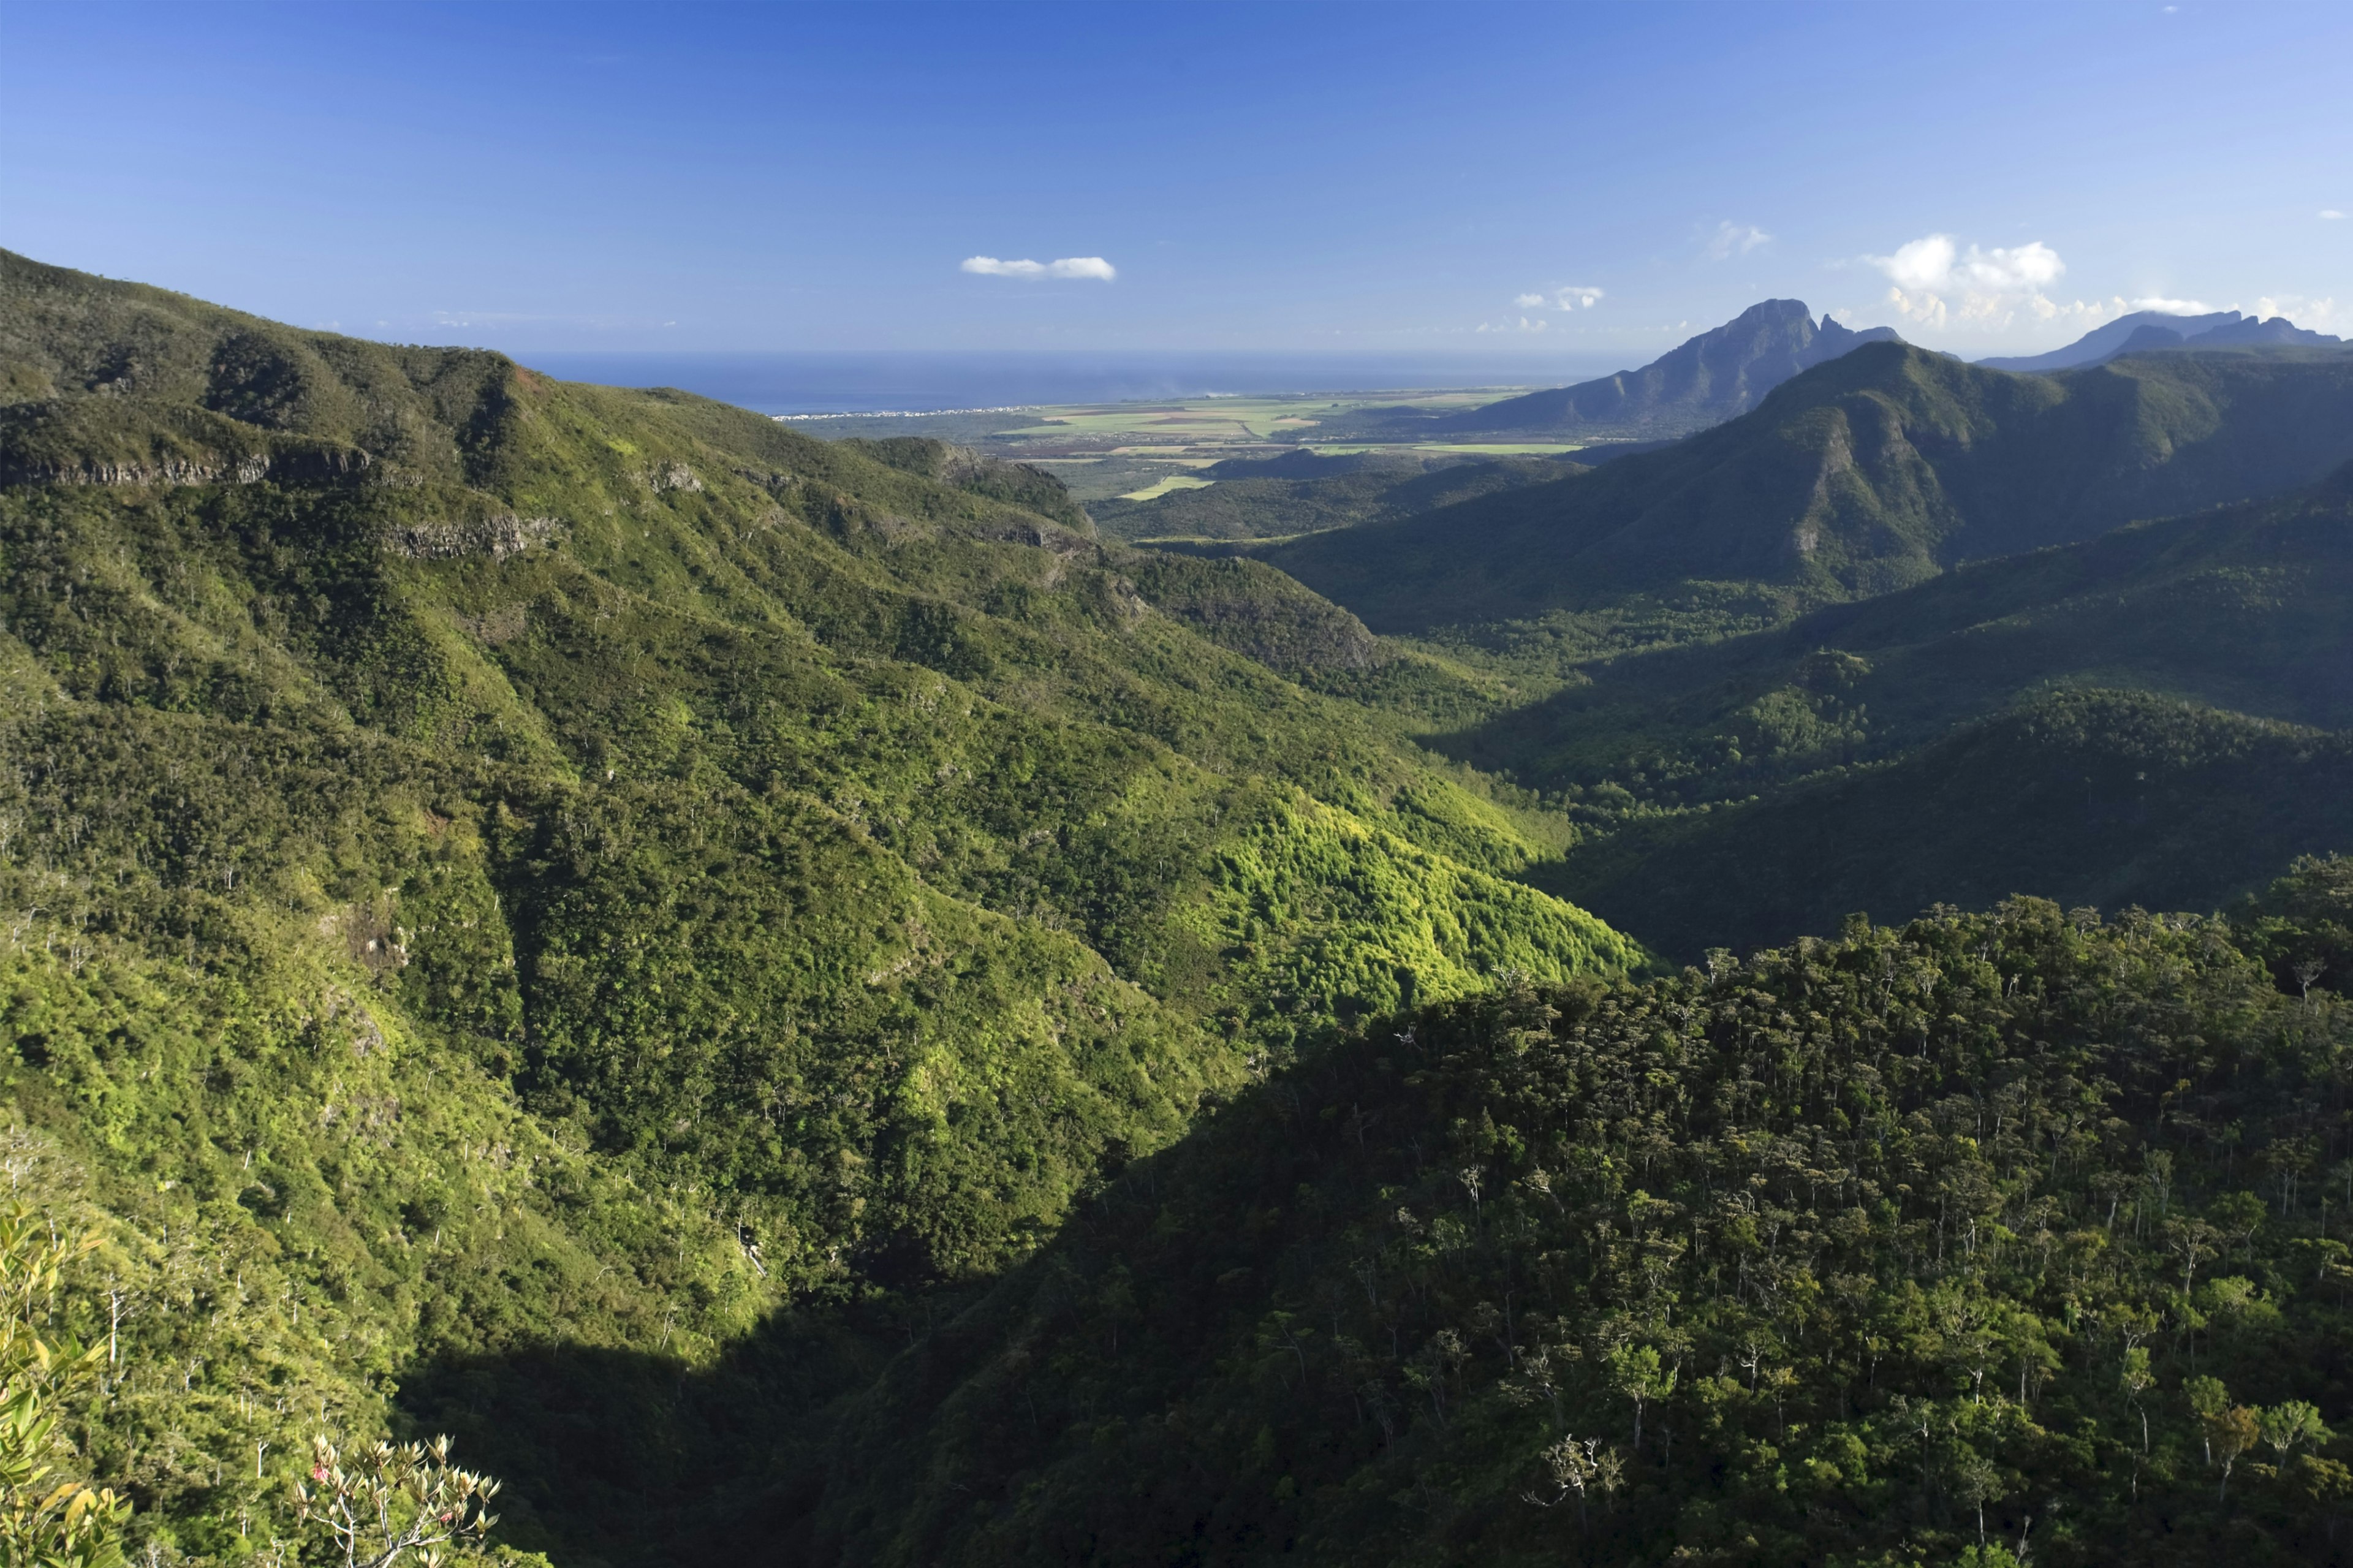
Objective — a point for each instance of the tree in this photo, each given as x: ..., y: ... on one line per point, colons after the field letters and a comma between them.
x: 1579, y: 1469
x: 2229, y: 1434
x: 2193, y: 1241
x: 2238, y: 1216
x: 1635, y: 1371
x: 2286, y: 1426
x: 394, y: 1500
x: 2136, y: 1381
x: 46, y: 1522
x: 1974, y: 1480
x: 2208, y: 1400
x: 1534, y: 1378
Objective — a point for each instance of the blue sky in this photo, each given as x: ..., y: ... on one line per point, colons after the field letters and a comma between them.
x: 1279, y: 177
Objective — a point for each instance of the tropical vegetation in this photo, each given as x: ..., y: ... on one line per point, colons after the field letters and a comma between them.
x: 591, y: 979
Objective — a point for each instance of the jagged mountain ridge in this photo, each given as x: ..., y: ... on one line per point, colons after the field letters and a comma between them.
x: 1721, y: 373
x: 2144, y: 332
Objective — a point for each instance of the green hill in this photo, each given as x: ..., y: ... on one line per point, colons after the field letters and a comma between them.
x: 677, y: 865
x: 1869, y: 473
x: 2241, y: 607
x: 1949, y: 742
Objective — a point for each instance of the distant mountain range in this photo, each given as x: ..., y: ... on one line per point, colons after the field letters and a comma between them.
x: 1727, y: 371
x: 1860, y: 476
x: 2144, y: 331
x: 1711, y: 378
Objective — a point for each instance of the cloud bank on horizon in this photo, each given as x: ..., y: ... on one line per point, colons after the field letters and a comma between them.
x: 1936, y: 283
x: 1093, y: 267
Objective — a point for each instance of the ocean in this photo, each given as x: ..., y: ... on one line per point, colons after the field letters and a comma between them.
x: 918, y: 382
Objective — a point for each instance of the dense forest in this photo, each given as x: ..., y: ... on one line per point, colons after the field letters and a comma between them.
x: 804, y: 1003
x: 1987, y: 1234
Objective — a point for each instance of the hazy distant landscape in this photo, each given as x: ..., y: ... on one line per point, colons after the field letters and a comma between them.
x: 1457, y: 812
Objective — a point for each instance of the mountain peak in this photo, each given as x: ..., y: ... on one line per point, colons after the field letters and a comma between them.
x: 1706, y: 380
x: 1771, y: 310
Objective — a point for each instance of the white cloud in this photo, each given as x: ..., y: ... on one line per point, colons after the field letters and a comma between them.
x: 2320, y: 315
x: 2170, y: 306
x: 2331, y: 213
x: 1935, y: 262
x: 1937, y: 284
x: 1731, y: 239
x: 1564, y: 299
x: 1068, y: 267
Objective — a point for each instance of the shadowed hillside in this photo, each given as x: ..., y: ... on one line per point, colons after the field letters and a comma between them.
x: 2147, y: 717
x: 2091, y: 798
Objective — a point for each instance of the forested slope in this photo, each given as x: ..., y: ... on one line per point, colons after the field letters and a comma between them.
x: 2154, y: 716
x: 1986, y: 1236
x: 810, y: 1009
x: 499, y: 863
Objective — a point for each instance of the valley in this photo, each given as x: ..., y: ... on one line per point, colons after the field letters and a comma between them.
x: 1129, y: 451
x: 1744, y: 962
